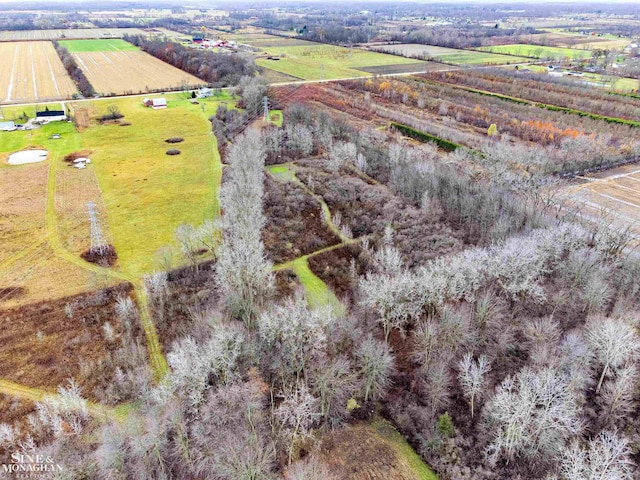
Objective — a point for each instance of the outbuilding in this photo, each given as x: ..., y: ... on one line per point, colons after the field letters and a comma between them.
x: 155, y: 103
x: 47, y: 116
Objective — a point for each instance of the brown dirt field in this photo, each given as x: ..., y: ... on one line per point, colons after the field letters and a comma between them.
x: 74, y: 189
x: 29, y: 268
x: 40, y: 275
x: 43, y: 345
x: 22, y: 206
x: 615, y: 193
x: 132, y: 71
x: 32, y: 71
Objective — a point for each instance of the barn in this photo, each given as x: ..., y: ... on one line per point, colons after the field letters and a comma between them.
x: 155, y: 103
x: 198, y: 38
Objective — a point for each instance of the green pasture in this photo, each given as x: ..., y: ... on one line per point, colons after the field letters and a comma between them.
x: 327, y: 61
x: 538, y: 51
x: 466, y: 57
x: 147, y: 193
x: 110, y: 45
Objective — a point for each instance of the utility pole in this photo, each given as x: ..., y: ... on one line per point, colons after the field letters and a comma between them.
x: 265, y: 106
x: 98, y: 242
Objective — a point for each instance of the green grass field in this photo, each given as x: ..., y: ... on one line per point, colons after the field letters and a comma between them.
x: 537, y: 51
x: 479, y: 58
x: 327, y: 61
x: 147, y: 193
x: 110, y: 45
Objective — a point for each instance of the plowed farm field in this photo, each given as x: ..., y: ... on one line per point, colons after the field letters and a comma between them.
x: 125, y: 70
x: 614, y: 195
x: 32, y: 71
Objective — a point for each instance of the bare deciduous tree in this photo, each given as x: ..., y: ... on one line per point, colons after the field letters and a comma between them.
x: 242, y: 271
x: 606, y: 457
x: 297, y: 413
x: 472, y: 377
x: 613, y: 342
x: 376, y: 367
x: 532, y: 415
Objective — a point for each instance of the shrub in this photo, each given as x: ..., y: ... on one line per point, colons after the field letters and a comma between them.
x: 174, y: 140
x: 173, y: 151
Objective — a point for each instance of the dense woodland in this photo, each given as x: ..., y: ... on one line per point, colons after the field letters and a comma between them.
x: 218, y: 69
x: 499, y: 335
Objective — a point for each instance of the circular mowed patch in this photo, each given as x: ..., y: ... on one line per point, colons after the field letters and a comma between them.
x: 27, y: 156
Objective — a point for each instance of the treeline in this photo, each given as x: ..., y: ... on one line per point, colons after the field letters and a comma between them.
x: 76, y: 74
x: 217, y: 69
x: 462, y: 37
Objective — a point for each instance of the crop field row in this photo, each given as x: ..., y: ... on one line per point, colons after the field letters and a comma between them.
x: 450, y: 55
x: 32, y: 71
x: 614, y: 194
x: 132, y: 71
x: 116, y: 66
x: 21, y: 35
x: 538, y: 51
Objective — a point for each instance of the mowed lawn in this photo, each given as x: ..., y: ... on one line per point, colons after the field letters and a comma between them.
x: 537, y: 51
x: 147, y: 193
x: 327, y: 62
x: 110, y: 45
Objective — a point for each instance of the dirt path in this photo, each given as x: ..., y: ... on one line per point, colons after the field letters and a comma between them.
x: 38, y: 395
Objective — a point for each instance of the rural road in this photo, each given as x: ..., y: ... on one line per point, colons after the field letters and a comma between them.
x: 280, y: 84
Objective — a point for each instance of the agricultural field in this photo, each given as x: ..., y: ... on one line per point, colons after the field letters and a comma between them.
x: 32, y: 71
x: 328, y: 62
x: 22, y: 35
x: 117, y: 67
x: 449, y: 55
x: 538, y: 51
x: 143, y: 188
x: 577, y: 41
x: 138, y: 189
x: 613, y: 195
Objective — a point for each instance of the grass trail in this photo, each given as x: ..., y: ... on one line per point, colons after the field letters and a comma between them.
x: 158, y: 362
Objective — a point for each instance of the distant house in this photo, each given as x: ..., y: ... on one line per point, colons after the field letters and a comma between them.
x: 47, y: 116
x: 155, y: 103
x: 7, y: 126
x: 204, y: 92
x: 197, y: 38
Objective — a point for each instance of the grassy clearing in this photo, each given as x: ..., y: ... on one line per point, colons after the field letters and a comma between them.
x: 373, y: 450
x: 537, y: 51
x: 111, y: 45
x: 451, y: 55
x: 147, y: 193
x: 388, y: 432
x: 316, y: 291
x: 326, y: 62
x: 275, y: 117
